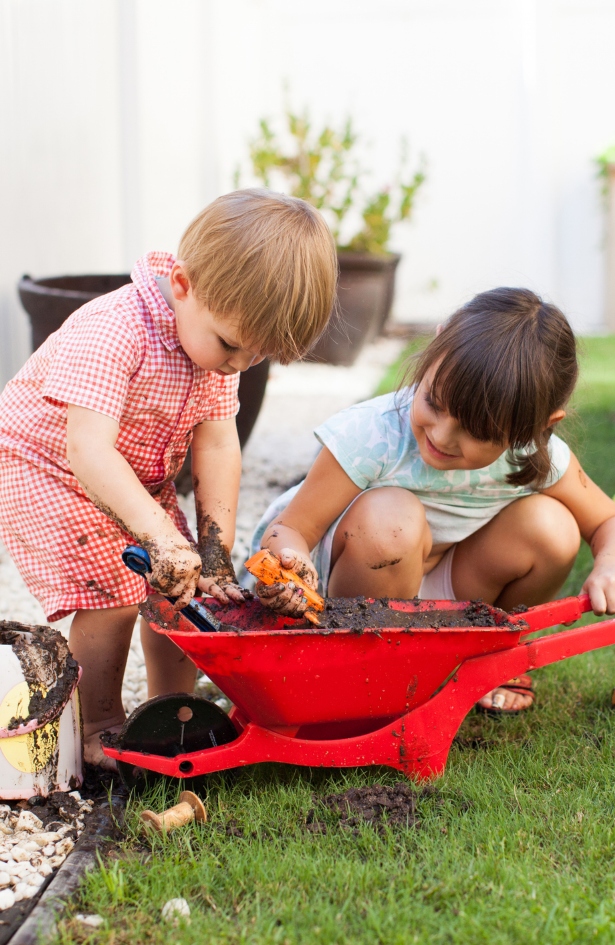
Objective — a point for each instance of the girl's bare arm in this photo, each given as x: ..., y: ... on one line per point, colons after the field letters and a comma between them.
x: 594, y: 512
x: 324, y: 495
x: 216, y: 471
x: 113, y: 487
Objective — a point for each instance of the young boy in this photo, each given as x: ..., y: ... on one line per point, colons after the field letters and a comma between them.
x: 97, y: 423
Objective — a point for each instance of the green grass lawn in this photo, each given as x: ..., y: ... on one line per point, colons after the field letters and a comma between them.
x: 516, y: 846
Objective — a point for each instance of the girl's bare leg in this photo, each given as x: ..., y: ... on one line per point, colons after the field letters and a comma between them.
x: 522, y: 556
x: 99, y: 640
x: 168, y: 668
x: 380, y: 546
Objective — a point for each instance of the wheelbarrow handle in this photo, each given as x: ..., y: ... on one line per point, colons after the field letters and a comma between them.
x: 564, y: 611
x: 139, y: 561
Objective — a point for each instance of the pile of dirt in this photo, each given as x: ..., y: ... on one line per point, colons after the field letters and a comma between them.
x: 359, y: 613
x: 377, y: 804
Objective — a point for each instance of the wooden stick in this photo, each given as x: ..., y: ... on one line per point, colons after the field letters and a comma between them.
x: 189, y: 808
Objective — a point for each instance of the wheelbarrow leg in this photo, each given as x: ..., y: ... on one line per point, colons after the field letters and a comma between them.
x: 429, y: 729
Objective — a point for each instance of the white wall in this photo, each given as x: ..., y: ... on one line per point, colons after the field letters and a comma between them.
x: 121, y: 118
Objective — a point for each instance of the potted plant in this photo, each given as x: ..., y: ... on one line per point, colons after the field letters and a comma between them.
x: 49, y: 302
x: 321, y: 167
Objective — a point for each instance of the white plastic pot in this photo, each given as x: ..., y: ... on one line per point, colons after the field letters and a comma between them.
x: 40, y: 723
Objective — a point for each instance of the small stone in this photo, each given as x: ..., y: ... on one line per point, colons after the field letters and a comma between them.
x: 35, y: 879
x: 55, y: 861
x: 45, y: 838
x: 176, y: 909
x: 75, y: 794
x: 94, y: 921
x: 20, y: 855
x: 7, y: 899
x: 45, y: 869
x: 64, y: 846
x: 25, y: 891
x: 5, y: 879
x: 28, y: 821
x: 5, y: 829
x: 49, y: 850
x: 30, y: 845
x: 5, y: 810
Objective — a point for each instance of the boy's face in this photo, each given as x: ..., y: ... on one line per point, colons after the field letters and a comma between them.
x: 209, y: 341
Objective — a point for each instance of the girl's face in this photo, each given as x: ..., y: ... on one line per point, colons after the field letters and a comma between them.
x: 442, y: 442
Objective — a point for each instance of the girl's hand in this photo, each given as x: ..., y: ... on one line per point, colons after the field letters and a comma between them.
x: 288, y: 598
x: 175, y: 570
x: 600, y: 585
x: 223, y: 590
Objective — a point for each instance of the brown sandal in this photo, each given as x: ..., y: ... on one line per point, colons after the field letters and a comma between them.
x: 519, y: 684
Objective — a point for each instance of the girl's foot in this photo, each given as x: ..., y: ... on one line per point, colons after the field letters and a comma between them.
x: 92, y: 749
x: 517, y: 695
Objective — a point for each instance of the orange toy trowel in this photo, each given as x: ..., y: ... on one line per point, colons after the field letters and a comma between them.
x: 267, y: 568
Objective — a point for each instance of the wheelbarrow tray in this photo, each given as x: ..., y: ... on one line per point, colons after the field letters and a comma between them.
x: 340, y: 698
x: 333, y: 681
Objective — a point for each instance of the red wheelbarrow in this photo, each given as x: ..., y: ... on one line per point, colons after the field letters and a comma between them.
x: 336, y: 698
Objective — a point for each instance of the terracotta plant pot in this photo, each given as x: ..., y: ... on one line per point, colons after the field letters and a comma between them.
x: 49, y: 302
x: 365, y: 292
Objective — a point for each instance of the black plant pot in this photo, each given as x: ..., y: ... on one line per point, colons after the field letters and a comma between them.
x: 365, y: 292
x: 49, y: 302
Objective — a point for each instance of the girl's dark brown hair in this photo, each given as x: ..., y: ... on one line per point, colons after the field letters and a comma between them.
x: 506, y: 361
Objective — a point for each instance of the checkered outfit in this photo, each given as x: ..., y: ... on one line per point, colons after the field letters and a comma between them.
x: 119, y: 355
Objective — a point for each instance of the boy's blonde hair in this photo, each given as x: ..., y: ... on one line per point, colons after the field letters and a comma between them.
x: 268, y: 260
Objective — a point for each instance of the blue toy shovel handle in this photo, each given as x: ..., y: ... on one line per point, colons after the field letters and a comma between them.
x: 138, y: 560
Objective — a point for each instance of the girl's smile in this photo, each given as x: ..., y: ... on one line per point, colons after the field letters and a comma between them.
x: 442, y: 441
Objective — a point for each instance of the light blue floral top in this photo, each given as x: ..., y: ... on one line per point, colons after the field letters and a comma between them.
x: 374, y: 444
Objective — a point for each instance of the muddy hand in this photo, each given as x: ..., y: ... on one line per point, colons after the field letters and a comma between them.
x: 223, y: 591
x: 301, y: 564
x: 286, y: 599
x: 175, y: 571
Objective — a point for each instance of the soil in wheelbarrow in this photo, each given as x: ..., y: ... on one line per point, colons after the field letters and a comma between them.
x: 357, y: 613
x: 381, y: 805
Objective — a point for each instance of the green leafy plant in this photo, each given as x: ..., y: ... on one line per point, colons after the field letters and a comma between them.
x: 322, y: 168
x: 603, y: 162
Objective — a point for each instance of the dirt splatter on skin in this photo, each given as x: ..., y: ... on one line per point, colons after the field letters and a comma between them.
x: 384, y: 564
x: 357, y: 613
x: 215, y: 556
x: 376, y: 804
x: 48, y: 667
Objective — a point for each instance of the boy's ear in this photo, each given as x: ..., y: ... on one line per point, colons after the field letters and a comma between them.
x: 179, y: 281
x: 555, y: 417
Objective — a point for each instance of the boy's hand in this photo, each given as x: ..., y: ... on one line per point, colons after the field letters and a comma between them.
x: 175, y: 570
x: 600, y: 585
x: 288, y: 599
x: 223, y: 590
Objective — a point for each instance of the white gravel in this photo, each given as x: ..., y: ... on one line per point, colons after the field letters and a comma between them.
x: 280, y: 451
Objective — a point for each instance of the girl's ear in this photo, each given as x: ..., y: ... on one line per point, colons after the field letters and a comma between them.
x: 555, y: 417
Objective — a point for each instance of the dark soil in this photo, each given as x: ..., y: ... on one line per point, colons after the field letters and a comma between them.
x: 47, y: 665
x: 376, y: 804
x: 357, y: 613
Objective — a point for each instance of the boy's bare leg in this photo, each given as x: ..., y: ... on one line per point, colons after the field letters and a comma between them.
x: 522, y: 556
x: 168, y: 669
x: 380, y: 546
x: 99, y: 640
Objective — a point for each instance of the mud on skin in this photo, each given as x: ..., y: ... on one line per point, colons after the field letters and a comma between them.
x: 47, y: 665
x: 215, y: 556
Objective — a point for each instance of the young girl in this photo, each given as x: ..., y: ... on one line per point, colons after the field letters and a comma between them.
x: 456, y: 486
x: 96, y: 425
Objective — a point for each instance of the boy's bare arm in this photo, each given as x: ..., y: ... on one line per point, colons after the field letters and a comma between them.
x: 216, y: 472
x: 112, y: 485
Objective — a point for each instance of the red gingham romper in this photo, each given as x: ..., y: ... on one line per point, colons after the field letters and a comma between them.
x: 119, y: 355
